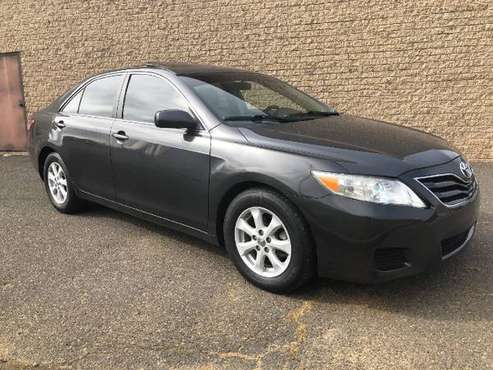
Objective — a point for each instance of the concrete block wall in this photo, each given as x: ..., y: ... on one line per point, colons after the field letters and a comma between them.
x: 421, y: 63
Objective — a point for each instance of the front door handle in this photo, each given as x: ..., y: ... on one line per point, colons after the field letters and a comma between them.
x: 60, y: 124
x: 120, y: 136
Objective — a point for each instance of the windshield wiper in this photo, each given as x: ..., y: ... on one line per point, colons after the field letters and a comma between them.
x: 301, y: 116
x: 254, y: 118
x: 288, y: 118
x: 319, y: 113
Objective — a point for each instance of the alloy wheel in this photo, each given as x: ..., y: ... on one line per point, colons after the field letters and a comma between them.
x: 57, y: 183
x: 263, y: 242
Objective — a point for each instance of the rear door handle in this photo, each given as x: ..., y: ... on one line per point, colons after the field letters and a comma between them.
x: 120, y: 136
x: 60, y: 124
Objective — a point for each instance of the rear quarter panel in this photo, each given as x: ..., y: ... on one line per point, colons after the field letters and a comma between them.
x: 39, y: 136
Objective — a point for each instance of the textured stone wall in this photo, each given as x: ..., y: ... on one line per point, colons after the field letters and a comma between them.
x: 421, y: 63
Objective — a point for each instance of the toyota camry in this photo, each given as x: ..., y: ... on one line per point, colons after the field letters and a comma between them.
x: 292, y: 188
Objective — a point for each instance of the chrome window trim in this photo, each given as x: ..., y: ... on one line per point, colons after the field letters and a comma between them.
x: 207, y: 120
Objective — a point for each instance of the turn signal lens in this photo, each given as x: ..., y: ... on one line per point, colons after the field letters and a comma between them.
x: 369, y: 189
x: 330, y: 182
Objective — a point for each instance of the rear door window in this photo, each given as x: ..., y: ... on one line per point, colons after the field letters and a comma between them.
x: 148, y: 94
x: 99, y: 97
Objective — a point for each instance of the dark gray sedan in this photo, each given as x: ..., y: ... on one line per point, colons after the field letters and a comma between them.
x: 291, y: 187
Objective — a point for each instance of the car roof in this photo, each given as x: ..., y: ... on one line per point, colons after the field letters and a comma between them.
x: 179, y: 69
x: 185, y: 69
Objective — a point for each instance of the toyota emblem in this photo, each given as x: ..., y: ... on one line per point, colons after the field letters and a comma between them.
x: 466, y: 169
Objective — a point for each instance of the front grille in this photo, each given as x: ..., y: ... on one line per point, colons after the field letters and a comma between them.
x: 450, y: 189
x: 387, y: 259
x: 451, y: 244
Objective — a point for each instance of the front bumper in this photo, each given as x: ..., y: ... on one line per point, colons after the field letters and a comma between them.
x: 370, y: 243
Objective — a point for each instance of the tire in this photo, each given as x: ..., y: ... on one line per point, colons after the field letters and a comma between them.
x: 69, y: 203
x: 287, y: 271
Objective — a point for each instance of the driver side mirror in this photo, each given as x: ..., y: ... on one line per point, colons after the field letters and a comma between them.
x: 175, y: 118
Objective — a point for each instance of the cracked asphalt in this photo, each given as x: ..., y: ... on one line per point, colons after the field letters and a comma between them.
x: 105, y: 290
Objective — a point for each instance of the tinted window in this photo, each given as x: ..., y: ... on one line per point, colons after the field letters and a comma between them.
x: 147, y: 94
x: 73, y: 105
x: 99, y: 96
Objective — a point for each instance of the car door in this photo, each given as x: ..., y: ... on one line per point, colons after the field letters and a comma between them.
x: 162, y: 171
x: 85, y: 125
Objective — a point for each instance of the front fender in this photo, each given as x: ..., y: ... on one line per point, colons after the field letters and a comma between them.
x: 237, y: 166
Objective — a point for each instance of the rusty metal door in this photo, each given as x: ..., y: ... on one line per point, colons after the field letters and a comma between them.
x: 12, y: 111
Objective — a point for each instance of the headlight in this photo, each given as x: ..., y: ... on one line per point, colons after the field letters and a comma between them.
x: 369, y: 189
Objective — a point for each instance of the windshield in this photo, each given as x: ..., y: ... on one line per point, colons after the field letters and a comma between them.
x: 243, y: 96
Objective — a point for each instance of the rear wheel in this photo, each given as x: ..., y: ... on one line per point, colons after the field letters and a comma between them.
x: 58, y: 186
x: 268, y: 241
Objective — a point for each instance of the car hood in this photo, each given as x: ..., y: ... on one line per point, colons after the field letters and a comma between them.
x: 357, y: 144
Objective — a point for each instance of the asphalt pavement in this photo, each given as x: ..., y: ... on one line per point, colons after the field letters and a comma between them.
x: 106, y: 290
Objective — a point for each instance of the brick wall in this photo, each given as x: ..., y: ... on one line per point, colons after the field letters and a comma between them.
x: 421, y: 63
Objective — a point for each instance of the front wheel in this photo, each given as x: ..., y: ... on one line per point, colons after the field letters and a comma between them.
x: 268, y: 241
